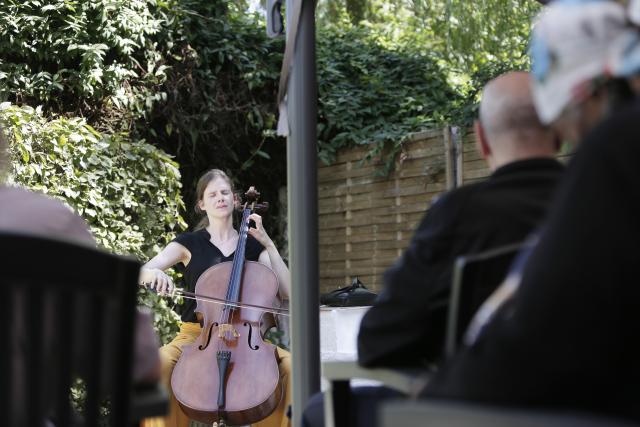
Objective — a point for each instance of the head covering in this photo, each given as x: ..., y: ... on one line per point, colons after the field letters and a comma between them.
x: 575, y: 42
x: 634, y: 11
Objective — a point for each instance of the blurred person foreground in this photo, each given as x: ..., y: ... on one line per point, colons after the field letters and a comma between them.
x: 28, y: 213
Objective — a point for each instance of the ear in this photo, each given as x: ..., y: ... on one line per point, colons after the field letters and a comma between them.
x: 481, y: 140
x: 201, y: 205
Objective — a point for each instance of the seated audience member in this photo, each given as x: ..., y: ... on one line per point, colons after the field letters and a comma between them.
x: 405, y: 327
x: 28, y: 212
x: 559, y: 333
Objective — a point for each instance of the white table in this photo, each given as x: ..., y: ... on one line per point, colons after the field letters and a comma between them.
x: 339, y: 332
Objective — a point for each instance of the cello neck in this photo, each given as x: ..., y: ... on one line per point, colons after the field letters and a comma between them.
x: 233, y: 294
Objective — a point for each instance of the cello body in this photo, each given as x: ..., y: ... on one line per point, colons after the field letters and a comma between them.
x: 245, y: 388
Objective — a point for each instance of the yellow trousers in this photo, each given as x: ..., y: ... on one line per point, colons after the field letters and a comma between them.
x: 169, y: 355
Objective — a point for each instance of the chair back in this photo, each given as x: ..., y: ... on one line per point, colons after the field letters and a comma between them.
x: 475, y: 277
x: 69, y: 311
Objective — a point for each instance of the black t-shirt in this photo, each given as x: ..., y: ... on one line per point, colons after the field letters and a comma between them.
x: 205, y: 254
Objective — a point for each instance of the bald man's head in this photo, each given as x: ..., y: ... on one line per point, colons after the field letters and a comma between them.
x: 509, y: 127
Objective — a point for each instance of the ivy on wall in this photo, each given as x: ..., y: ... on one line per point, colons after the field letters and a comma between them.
x: 375, y: 92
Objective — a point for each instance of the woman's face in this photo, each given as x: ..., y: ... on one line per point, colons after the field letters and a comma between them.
x: 217, y: 200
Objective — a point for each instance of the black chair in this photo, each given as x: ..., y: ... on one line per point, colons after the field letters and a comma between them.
x: 69, y: 310
x: 475, y: 277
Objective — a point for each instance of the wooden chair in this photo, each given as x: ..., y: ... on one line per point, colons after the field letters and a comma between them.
x: 435, y: 413
x: 69, y: 312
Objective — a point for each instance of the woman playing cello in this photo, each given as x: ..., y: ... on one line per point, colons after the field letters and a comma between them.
x: 213, y: 241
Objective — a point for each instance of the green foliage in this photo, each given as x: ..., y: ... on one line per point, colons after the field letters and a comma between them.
x: 82, y: 56
x: 472, y: 41
x: 78, y: 397
x: 276, y: 337
x: 220, y: 110
x: 356, y: 9
x: 478, y: 33
x: 128, y: 191
x: 375, y: 91
x: 199, y: 77
x: 465, y: 34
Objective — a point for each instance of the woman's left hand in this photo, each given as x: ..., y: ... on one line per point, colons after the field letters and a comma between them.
x: 259, y: 233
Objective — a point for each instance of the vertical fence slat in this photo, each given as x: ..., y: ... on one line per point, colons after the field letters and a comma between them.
x: 449, y: 158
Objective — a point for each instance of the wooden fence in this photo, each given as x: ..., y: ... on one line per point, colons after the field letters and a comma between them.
x: 366, y: 221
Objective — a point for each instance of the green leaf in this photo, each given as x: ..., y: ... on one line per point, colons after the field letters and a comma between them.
x: 263, y: 154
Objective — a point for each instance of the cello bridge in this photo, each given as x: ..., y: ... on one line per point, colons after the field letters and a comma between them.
x: 227, y: 327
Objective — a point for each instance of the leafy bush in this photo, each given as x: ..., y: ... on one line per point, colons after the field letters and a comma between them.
x: 128, y: 191
x: 221, y: 86
x: 375, y: 93
x: 464, y: 35
x: 82, y: 56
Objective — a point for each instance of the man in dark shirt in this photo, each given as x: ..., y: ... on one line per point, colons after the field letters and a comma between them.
x: 561, y: 331
x: 405, y: 327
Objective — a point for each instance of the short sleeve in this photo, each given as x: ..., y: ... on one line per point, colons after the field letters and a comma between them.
x: 254, y: 249
x: 188, y: 240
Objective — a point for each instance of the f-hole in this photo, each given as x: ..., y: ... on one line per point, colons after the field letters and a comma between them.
x: 206, y: 344
x: 249, y: 335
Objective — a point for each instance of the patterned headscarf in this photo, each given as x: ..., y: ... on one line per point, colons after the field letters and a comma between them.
x: 576, y: 42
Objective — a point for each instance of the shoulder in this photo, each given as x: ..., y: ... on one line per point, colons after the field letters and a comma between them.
x: 460, y: 195
x: 520, y: 182
x: 192, y: 239
x: 453, y: 209
x: 452, y: 202
x: 442, y: 216
x: 35, y: 213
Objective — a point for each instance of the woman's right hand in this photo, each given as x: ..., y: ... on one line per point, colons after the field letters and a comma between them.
x: 156, y: 279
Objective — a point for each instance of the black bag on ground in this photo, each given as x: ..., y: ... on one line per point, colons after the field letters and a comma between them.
x: 353, y: 295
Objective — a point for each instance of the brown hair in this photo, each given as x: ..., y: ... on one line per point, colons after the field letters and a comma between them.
x: 201, y: 186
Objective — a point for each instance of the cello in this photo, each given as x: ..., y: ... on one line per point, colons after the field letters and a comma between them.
x: 230, y: 375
